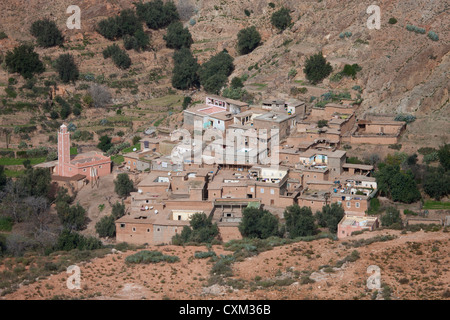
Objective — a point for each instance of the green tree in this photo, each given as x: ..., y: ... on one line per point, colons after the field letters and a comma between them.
x: 330, y: 216
x: 178, y: 37
x: 106, y: 227
x: 317, y: 68
x: 248, y: 39
x: 157, y: 14
x: 281, y: 19
x: 299, y: 221
x: 24, y: 60
x: 47, y: 33
x: 36, y: 182
x: 397, y: 185
x: 214, y: 73
x: 123, y: 185
x: 3, y: 178
x: 184, y: 75
x: 390, y: 217
x: 126, y: 23
x: 73, y: 217
x: 437, y: 183
x: 258, y: 223
x: 351, y: 70
x: 201, y: 230
x: 118, y: 210
x: 236, y: 82
x: 104, y: 143
x: 67, y: 68
x: 69, y: 240
x: 444, y: 156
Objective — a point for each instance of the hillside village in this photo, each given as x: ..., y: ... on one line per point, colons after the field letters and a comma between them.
x: 296, y: 155
x: 310, y: 169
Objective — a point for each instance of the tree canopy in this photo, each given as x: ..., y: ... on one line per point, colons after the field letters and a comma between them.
x: 330, y: 216
x: 258, y: 223
x: 200, y: 230
x: 46, y: 33
x: 248, y: 39
x: 281, y: 19
x: 178, y: 37
x: 123, y: 185
x: 214, y: 73
x: 157, y: 14
x: 299, y: 221
x: 317, y: 68
x: 398, y: 185
x: 67, y: 68
x: 184, y: 75
x: 24, y: 60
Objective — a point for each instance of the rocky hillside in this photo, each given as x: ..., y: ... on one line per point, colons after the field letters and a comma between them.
x: 402, y: 71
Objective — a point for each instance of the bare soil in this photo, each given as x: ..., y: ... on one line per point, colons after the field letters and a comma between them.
x: 413, y: 266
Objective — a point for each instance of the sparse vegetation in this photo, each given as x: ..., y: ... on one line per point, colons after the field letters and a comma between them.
x: 146, y: 257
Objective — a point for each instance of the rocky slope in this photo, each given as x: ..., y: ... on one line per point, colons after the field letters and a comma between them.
x: 402, y: 71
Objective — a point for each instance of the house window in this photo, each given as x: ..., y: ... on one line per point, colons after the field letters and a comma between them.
x: 252, y: 189
x: 148, y: 230
x: 357, y: 204
x: 262, y: 190
x: 99, y: 167
x: 134, y: 163
x: 134, y: 229
x: 349, y: 204
x: 158, y: 229
x: 122, y: 225
x: 84, y: 170
x: 272, y: 191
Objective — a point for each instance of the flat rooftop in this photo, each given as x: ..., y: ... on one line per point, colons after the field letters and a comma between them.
x: 358, y: 221
x: 274, y: 117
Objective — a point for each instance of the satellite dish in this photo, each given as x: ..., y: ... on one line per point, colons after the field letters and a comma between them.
x: 134, y: 149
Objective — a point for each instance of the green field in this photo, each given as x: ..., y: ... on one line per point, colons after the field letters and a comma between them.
x: 436, y: 205
x: 16, y: 161
x: 14, y: 173
x: 117, y: 159
x: 130, y: 149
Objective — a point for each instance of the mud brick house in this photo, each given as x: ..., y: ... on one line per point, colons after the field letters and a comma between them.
x: 157, y: 227
x: 290, y: 107
x: 216, y: 112
x: 377, y: 132
x: 331, y: 109
x: 351, y: 223
x: 284, y: 123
